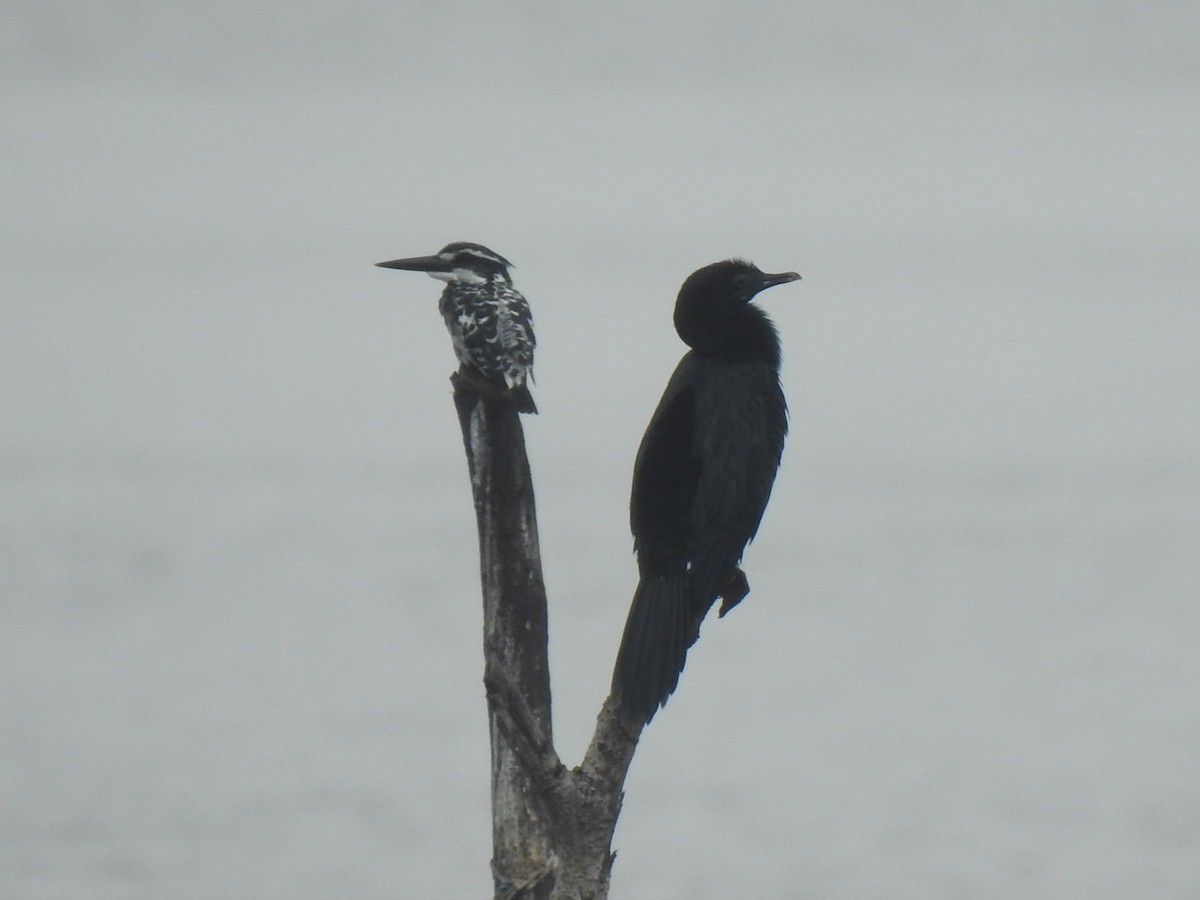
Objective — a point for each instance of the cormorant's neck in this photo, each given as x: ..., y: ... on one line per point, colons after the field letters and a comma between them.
x: 743, y: 334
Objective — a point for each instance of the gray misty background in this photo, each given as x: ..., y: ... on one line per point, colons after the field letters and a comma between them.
x: 240, y: 651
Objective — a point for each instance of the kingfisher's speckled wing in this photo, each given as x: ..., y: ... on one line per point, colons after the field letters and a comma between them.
x: 491, y: 327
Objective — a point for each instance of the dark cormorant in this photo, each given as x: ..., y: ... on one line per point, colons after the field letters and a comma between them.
x: 702, y: 477
x: 489, y: 320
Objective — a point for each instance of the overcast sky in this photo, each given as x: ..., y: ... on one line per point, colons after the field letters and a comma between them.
x: 236, y: 551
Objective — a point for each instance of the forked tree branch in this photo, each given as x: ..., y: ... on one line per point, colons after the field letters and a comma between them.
x: 552, y: 827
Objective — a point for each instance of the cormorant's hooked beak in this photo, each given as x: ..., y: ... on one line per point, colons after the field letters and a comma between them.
x: 419, y: 264
x: 769, y: 280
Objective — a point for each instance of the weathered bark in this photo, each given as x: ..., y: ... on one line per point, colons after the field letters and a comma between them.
x: 552, y: 827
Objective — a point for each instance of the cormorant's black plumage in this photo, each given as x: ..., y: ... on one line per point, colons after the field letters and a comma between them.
x: 489, y: 321
x: 702, y: 477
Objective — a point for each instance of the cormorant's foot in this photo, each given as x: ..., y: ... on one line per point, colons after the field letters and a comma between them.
x: 734, y: 592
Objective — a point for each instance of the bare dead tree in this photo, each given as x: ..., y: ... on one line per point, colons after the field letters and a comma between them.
x: 552, y: 826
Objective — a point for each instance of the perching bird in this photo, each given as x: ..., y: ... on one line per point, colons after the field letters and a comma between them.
x: 489, y: 320
x: 702, y: 477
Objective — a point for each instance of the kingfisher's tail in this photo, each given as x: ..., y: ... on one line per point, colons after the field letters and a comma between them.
x: 523, y: 399
x: 653, y: 647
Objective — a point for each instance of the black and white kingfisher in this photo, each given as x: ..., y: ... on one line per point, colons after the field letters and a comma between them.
x: 489, y: 320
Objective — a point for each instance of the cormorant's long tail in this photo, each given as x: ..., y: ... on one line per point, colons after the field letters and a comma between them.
x: 653, y: 647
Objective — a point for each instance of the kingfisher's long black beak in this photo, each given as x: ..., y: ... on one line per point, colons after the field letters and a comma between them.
x: 769, y: 280
x: 418, y: 264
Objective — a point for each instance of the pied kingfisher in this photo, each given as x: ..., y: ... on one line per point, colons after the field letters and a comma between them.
x: 489, y: 321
